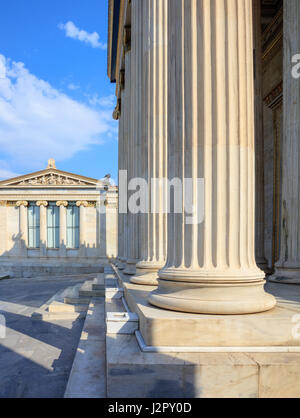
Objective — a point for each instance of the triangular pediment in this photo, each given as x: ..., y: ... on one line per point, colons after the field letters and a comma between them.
x: 50, y: 177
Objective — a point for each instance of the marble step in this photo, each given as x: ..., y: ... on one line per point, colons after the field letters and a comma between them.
x: 59, y: 307
x: 72, y: 297
x: 101, y: 284
x: 50, y: 316
x: 87, y: 290
x: 114, y: 293
x: 87, y: 378
x: 122, y: 322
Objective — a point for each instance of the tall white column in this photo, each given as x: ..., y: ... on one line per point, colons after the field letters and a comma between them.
x: 288, y: 266
x: 82, y: 224
x: 211, y: 266
x: 43, y: 227
x: 121, y: 166
x: 126, y: 112
x: 259, y: 140
x: 134, y: 137
x: 62, y: 204
x: 23, y: 232
x: 154, y: 140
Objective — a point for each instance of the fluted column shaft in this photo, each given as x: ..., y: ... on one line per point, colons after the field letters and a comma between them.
x: 154, y: 139
x: 288, y: 266
x: 62, y: 228
x: 121, y: 168
x: 126, y: 110
x: 23, y: 225
x: 259, y: 140
x: 134, y: 139
x: 43, y: 227
x: 211, y: 266
x: 82, y: 223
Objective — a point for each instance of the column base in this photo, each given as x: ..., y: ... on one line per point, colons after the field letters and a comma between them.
x: 286, y: 276
x: 146, y: 274
x: 130, y: 268
x: 263, y: 265
x: 119, y: 264
x: 214, y: 298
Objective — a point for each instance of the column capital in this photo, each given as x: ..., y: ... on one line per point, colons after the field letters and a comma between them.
x: 82, y: 203
x: 22, y: 203
x: 62, y: 203
x: 42, y: 203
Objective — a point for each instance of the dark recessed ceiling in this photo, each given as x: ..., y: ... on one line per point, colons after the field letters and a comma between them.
x: 269, y: 9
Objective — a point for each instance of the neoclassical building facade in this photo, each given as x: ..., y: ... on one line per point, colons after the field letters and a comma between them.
x: 210, y: 89
x: 53, y: 221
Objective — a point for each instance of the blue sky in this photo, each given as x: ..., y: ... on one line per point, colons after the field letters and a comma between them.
x: 56, y: 100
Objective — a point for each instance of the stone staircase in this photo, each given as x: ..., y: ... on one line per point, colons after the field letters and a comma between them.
x: 73, y: 302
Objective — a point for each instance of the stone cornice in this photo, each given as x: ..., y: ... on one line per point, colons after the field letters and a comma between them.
x: 120, y: 42
x: 51, y: 177
x: 49, y: 197
x: 110, y: 35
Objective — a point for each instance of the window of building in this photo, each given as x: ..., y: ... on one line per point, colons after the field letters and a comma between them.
x: 72, y: 226
x: 52, y: 226
x: 33, y: 226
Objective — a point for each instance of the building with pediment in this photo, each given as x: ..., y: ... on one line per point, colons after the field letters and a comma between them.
x: 52, y: 221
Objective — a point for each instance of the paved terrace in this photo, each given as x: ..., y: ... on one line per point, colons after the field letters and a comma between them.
x: 35, y: 357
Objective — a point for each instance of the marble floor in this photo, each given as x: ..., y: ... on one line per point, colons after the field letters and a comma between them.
x: 35, y: 357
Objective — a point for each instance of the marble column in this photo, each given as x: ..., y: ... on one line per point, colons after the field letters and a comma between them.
x: 134, y: 137
x: 43, y: 227
x: 211, y: 265
x: 121, y: 165
x: 154, y: 139
x: 82, y: 223
x: 126, y: 112
x: 259, y: 140
x: 288, y: 267
x: 23, y: 231
x: 62, y: 204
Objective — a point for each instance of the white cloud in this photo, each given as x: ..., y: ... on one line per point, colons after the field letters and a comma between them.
x: 38, y: 122
x: 5, y: 172
x: 73, y: 86
x: 73, y: 32
x: 108, y: 101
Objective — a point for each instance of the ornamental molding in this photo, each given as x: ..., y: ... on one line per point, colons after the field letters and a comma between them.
x: 42, y: 203
x: 55, y: 197
x: 117, y: 110
x: 22, y: 203
x: 51, y: 177
x: 62, y: 203
x: 82, y: 203
x: 52, y: 180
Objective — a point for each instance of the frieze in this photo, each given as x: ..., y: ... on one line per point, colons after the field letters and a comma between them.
x: 51, y: 180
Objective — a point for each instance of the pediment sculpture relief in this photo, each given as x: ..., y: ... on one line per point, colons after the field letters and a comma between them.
x: 52, y: 180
